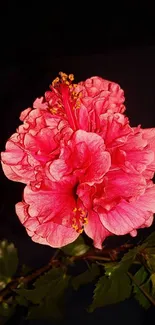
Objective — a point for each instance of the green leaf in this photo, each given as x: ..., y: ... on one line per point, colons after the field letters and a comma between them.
x: 110, y: 268
x: 115, y: 285
x: 77, y: 248
x: 86, y: 277
x: 150, y: 240
x: 123, y: 265
x: 111, y: 290
x: 141, y: 277
x: 128, y: 258
x: 6, y: 312
x: 140, y: 297
x: 47, y: 294
x: 150, y: 258
x: 153, y: 283
x: 51, y: 283
x: 21, y: 301
x: 8, y: 260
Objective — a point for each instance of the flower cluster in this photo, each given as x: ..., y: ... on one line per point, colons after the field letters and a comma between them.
x: 84, y: 166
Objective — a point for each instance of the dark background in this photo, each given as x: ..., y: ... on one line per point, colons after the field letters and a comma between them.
x: 115, y: 42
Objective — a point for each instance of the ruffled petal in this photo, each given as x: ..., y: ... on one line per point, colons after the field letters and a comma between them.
x: 48, y: 233
x: 127, y: 216
x: 86, y: 158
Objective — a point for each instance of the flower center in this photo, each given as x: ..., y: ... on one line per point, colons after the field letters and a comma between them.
x: 79, y: 219
x: 68, y: 99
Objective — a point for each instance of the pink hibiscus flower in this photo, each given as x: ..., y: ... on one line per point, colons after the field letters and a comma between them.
x: 102, y: 200
x: 85, y: 167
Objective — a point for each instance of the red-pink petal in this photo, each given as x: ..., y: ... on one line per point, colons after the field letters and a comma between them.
x: 48, y: 233
x: 24, y: 114
x: 117, y: 183
x: 114, y: 129
x: 13, y: 154
x: 57, y: 235
x: 86, y: 158
x: 56, y: 201
x: 95, y: 229
x: 127, y: 216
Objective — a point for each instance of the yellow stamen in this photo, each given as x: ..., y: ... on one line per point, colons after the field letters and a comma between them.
x: 55, y: 81
x: 80, y: 231
x: 63, y: 75
x: 64, y: 78
x: 71, y: 77
x: 74, y: 96
x: 85, y: 221
x: 75, y: 227
x: 79, y: 219
x: 53, y: 110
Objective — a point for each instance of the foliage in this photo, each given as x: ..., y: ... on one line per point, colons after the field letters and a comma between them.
x: 43, y: 293
x: 8, y: 262
x: 141, y: 280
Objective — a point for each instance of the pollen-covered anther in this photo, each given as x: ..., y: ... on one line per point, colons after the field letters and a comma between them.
x: 77, y: 105
x: 80, y: 231
x: 71, y: 77
x: 55, y: 81
x: 85, y: 221
x: 67, y: 79
x: 75, y: 95
x: 63, y: 76
x: 79, y: 219
x: 53, y: 110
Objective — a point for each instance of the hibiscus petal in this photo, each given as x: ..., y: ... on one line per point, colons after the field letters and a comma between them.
x: 115, y: 129
x: 98, y: 159
x: 127, y: 216
x: 13, y: 154
x: 25, y: 113
x: 21, y: 210
x: 37, y: 239
x: 48, y: 233
x: 23, y: 173
x: 57, y: 235
x: 117, y: 183
x: 149, y: 135
x: 139, y: 159
x: 87, y: 159
x: 56, y: 170
x: 95, y: 229
x: 10, y: 173
x: 47, y: 203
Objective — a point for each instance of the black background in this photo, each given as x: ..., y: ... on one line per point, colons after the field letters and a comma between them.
x: 115, y: 42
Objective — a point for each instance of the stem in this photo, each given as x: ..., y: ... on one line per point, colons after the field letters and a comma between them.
x: 146, y: 294
x: 99, y: 258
